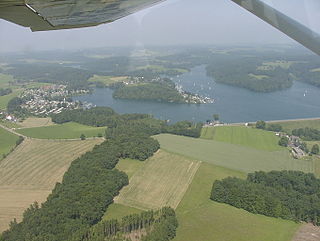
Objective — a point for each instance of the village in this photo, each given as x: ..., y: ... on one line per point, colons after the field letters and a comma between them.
x: 46, y: 100
x: 50, y: 99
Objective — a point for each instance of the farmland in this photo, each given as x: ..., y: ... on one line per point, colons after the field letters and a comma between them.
x: 213, y: 221
x: 30, y: 172
x: 7, y: 142
x: 36, y: 122
x: 130, y: 166
x: 68, y: 130
x: 232, y: 156
x: 245, y: 136
x: 290, y: 125
x: 107, y: 80
x: 162, y: 181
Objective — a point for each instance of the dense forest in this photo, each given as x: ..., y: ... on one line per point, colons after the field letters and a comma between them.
x: 244, y: 72
x: 158, y: 225
x: 126, y: 123
x: 289, y: 195
x: 14, y: 107
x: 307, y: 134
x: 73, y: 78
x: 161, y: 91
x: 307, y: 70
x: 5, y: 91
x: 87, y: 189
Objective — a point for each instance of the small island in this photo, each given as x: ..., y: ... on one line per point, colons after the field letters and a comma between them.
x: 157, y: 89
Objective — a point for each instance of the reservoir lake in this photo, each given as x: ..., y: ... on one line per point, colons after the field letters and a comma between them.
x: 233, y: 104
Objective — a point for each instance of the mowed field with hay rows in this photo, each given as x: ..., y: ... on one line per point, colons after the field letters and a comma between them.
x: 36, y: 122
x: 70, y: 130
x: 245, y: 136
x: 31, y: 171
x: 162, y: 181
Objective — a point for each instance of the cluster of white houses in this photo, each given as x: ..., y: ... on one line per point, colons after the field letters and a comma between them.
x: 49, y: 99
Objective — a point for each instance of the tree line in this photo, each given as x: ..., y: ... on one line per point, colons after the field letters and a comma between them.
x: 73, y: 78
x: 5, y: 91
x: 158, y: 225
x: 125, y: 124
x: 307, y: 134
x: 291, y: 195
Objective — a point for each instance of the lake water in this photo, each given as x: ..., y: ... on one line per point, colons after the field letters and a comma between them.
x: 231, y: 103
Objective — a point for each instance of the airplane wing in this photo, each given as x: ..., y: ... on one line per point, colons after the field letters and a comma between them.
x: 41, y: 15
x: 285, y: 24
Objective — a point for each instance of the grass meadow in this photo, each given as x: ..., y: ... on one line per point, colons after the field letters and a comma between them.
x: 4, y: 100
x: 236, y: 157
x: 288, y: 126
x: 241, y: 135
x: 70, y: 130
x: 202, y: 219
x: 107, y: 80
x: 7, y: 142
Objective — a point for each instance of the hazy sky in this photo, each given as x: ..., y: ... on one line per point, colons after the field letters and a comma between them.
x: 171, y: 22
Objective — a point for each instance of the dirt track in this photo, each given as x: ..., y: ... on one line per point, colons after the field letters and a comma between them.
x: 307, y: 232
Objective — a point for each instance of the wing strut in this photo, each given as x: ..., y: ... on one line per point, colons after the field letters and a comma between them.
x: 282, y: 22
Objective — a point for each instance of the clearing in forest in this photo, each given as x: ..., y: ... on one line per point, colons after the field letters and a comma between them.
x: 162, y: 181
x: 31, y: 171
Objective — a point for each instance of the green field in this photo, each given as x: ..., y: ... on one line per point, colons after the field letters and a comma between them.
x: 9, y: 124
x: 232, y: 156
x: 107, y: 80
x: 202, y: 219
x: 7, y: 142
x: 288, y: 126
x: 4, y: 100
x: 245, y: 136
x: 279, y: 63
x: 117, y: 211
x: 68, y: 130
x: 161, y: 68
x: 162, y: 181
x: 130, y: 166
x: 5, y: 79
x: 259, y: 77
